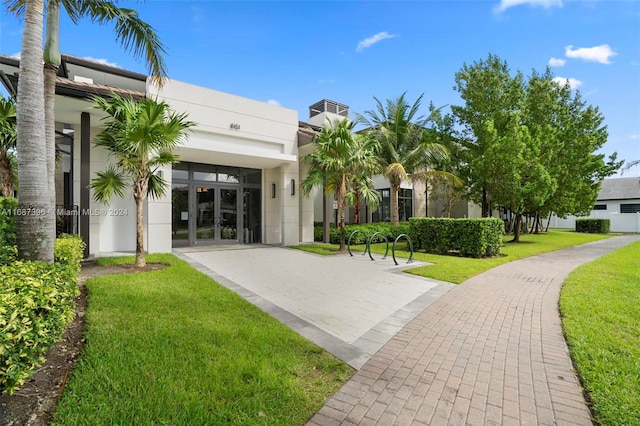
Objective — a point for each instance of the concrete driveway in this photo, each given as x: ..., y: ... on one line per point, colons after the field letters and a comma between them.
x: 351, y: 306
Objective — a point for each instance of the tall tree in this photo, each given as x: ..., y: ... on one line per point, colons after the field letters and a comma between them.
x: 133, y: 33
x: 141, y: 137
x: 7, y: 145
x: 406, y: 150
x: 35, y: 219
x: 343, y: 163
x: 490, y: 93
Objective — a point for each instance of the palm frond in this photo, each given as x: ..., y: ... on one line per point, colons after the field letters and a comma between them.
x: 107, y: 183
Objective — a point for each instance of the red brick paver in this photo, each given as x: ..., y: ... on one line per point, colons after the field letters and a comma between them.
x: 489, y: 352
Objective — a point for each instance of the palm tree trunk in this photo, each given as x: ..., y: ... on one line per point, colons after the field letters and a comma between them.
x: 342, y: 191
x: 34, y: 219
x: 140, y: 260
x: 5, y: 174
x: 395, y: 217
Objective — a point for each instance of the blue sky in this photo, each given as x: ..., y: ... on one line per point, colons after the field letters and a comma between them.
x: 295, y: 53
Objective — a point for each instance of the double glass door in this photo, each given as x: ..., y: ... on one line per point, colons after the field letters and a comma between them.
x: 216, y: 212
x: 208, y: 216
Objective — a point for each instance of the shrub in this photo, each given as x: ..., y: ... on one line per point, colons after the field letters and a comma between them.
x: 386, y: 228
x: 7, y: 230
x: 593, y: 226
x: 36, y: 305
x: 467, y: 237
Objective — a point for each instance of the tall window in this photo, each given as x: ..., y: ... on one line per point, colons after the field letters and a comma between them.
x: 405, y: 205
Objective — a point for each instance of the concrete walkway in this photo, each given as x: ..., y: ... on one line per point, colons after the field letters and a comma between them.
x: 489, y: 352
x: 349, y: 306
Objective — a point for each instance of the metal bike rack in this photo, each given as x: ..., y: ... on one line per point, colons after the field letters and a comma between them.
x: 349, y: 241
x: 393, y: 250
x: 369, y: 244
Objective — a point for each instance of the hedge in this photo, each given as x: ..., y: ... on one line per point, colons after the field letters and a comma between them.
x: 466, y: 237
x: 593, y: 226
x: 36, y: 305
x: 388, y: 230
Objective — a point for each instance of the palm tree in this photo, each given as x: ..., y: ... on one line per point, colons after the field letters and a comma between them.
x: 343, y: 163
x: 33, y: 225
x: 7, y: 145
x: 406, y: 149
x: 131, y: 31
x: 141, y: 136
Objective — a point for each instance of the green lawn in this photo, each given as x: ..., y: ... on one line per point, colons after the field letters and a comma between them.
x: 172, y: 347
x: 600, y: 306
x: 458, y: 269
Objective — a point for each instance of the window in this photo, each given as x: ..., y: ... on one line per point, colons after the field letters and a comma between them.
x: 180, y: 171
x: 405, y: 206
x: 630, y: 208
x: 600, y: 207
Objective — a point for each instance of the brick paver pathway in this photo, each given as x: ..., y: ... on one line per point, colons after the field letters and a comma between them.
x: 489, y: 352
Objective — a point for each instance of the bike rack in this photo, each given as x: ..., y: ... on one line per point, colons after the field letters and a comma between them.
x: 349, y: 241
x: 369, y: 244
x: 393, y: 251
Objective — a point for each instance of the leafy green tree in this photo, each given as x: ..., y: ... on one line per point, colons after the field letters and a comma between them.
x: 519, y: 181
x: 141, y: 137
x: 131, y: 31
x: 570, y: 133
x: 343, y: 163
x: 490, y: 93
x: 406, y: 149
x: 8, y: 161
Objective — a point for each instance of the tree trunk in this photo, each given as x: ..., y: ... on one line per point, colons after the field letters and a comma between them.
x: 140, y: 260
x: 485, y: 205
x: 50, y: 72
x: 341, y: 201
x: 516, y: 228
x: 548, y: 223
x: 6, y: 175
x: 34, y: 220
x: 395, y: 217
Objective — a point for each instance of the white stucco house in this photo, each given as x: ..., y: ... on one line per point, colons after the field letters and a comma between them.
x: 237, y: 181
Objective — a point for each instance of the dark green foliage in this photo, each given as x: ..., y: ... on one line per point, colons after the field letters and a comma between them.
x: 387, y: 229
x: 593, y: 226
x: 467, y: 237
x: 8, y: 250
x: 37, y: 304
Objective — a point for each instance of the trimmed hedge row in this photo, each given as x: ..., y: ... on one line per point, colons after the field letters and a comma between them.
x: 467, y: 237
x: 593, y: 226
x: 387, y: 229
x: 36, y: 305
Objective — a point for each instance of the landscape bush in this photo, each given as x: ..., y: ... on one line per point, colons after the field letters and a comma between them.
x: 593, y: 226
x: 36, y: 305
x: 387, y: 229
x: 466, y: 237
x: 8, y: 250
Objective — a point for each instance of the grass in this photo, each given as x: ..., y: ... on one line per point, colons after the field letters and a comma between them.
x: 455, y: 269
x: 601, y: 317
x: 172, y: 347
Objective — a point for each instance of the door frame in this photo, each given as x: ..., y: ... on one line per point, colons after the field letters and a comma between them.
x: 217, y: 213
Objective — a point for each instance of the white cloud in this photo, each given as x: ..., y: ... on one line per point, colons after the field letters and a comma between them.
x: 556, y: 62
x: 273, y: 102
x: 634, y: 136
x: 546, y: 4
x: 601, y: 54
x: 102, y: 61
x: 573, y: 83
x: 16, y: 55
x: 370, y: 41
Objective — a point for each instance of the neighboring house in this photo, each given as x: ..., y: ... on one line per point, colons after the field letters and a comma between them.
x: 618, y: 200
x: 238, y: 177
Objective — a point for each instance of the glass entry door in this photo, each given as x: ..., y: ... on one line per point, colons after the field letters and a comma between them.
x: 216, y: 214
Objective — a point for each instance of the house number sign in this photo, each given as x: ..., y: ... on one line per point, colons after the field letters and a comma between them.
x: 234, y: 126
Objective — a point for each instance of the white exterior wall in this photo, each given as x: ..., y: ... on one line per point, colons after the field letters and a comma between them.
x: 620, y: 222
